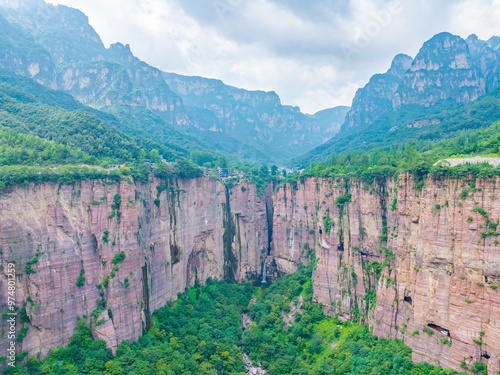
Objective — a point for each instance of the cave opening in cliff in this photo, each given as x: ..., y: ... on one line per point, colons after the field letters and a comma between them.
x: 409, y: 300
x: 439, y: 329
x: 340, y: 247
x: 485, y: 356
x: 95, y: 244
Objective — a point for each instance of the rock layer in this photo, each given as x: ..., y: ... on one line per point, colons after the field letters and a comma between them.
x: 172, y: 233
x: 419, y: 265
x: 427, y: 258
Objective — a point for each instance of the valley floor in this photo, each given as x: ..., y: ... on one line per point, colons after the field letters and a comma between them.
x: 202, y: 333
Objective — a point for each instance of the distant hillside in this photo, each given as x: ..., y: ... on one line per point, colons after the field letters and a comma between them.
x: 450, y: 86
x: 256, y: 118
x: 330, y: 120
x: 56, y: 46
x: 27, y: 107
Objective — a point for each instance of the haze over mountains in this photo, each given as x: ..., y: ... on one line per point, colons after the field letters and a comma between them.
x: 56, y: 46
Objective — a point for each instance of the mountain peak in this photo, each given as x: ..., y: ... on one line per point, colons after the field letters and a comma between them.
x: 494, y: 42
x: 400, y: 65
x: 443, y: 50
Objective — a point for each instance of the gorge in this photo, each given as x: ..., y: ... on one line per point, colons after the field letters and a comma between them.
x: 419, y: 265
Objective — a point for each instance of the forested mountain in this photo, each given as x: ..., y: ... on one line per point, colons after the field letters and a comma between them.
x: 56, y: 46
x: 256, y: 118
x: 450, y: 87
x: 30, y: 108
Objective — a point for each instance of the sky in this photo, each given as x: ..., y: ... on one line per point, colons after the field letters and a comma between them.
x: 315, y: 54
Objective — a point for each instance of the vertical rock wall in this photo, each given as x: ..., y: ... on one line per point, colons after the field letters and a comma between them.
x: 421, y: 266
x: 172, y: 233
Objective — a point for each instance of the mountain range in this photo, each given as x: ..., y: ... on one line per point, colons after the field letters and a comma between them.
x: 56, y: 46
x: 451, y: 86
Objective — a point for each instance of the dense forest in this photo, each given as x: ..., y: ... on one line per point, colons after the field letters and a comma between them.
x: 202, y: 333
x: 411, y: 124
x: 419, y: 159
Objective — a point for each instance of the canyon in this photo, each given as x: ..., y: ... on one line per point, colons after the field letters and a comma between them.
x: 421, y: 265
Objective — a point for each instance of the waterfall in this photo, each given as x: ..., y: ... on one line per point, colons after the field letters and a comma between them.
x: 264, y: 272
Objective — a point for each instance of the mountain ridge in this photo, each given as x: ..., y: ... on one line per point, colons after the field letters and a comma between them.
x: 80, y: 65
x: 447, y: 73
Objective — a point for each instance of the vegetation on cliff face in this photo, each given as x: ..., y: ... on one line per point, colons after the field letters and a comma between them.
x: 201, y: 333
x: 317, y: 344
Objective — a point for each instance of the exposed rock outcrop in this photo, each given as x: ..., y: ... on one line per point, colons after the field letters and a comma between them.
x: 449, y: 67
x: 420, y: 265
x: 406, y: 262
x: 171, y: 234
x: 258, y: 116
x: 376, y: 97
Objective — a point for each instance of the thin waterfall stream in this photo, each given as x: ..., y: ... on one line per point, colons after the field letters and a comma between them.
x: 264, y: 271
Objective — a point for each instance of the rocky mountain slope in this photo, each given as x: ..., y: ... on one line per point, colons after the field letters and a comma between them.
x: 376, y: 97
x: 56, y: 46
x: 420, y: 265
x: 255, y: 117
x: 448, y: 73
x: 449, y: 67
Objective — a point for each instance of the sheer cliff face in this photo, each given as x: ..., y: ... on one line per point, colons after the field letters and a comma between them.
x: 433, y: 272
x: 449, y: 67
x: 416, y: 265
x: 376, y: 97
x: 192, y: 229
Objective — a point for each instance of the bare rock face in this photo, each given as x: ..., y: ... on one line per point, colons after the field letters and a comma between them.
x: 422, y: 266
x: 419, y: 265
x: 449, y: 67
x: 171, y: 233
x: 376, y: 97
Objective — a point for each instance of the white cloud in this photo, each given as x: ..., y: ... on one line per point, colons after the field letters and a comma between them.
x: 291, y: 47
x: 476, y: 17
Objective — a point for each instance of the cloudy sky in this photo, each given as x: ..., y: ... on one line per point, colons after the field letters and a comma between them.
x: 313, y: 53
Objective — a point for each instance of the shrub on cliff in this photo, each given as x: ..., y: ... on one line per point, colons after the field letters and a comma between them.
x: 118, y: 258
x: 81, y: 278
x: 186, y: 169
x: 342, y: 200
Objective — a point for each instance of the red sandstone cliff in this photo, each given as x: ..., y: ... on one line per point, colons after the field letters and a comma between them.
x: 170, y: 237
x: 437, y: 269
x: 399, y: 259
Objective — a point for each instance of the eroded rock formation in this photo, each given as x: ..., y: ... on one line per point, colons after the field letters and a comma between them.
x: 171, y: 234
x: 419, y: 265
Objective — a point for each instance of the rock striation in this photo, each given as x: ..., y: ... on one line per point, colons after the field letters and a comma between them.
x: 171, y: 233
x: 419, y: 265
x: 422, y: 266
